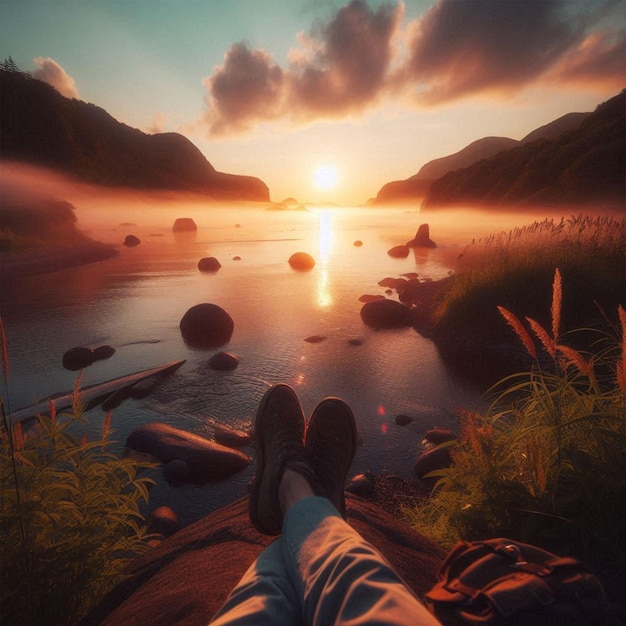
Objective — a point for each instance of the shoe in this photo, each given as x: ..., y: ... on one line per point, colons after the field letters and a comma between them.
x: 330, y: 447
x: 279, y: 443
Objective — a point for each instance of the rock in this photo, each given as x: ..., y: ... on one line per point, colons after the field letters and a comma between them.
x: 231, y: 438
x: 358, y: 243
x: 223, y: 361
x: 361, y: 485
x: 169, y: 584
x: 394, y: 283
x: 386, y: 314
x: 184, y: 224
x: 237, y: 225
x: 431, y: 460
x: 144, y: 388
x: 355, y: 342
x: 103, y: 352
x: 399, y: 252
x: 77, y: 358
x: 115, y: 399
x: 435, y: 436
x: 163, y: 521
x: 236, y: 258
x: 301, y: 261
x: 370, y: 298
x: 206, y: 326
x: 131, y: 241
x: 422, y: 238
x: 206, y: 459
x: 209, y: 264
x: 403, y: 420
x: 315, y: 338
x: 176, y: 472
x: 128, y: 224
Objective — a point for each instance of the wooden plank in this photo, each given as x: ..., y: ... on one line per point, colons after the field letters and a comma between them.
x: 94, y: 394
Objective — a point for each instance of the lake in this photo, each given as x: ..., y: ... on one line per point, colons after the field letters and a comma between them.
x: 135, y: 302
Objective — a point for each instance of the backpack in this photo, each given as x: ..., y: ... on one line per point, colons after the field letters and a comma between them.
x: 500, y: 582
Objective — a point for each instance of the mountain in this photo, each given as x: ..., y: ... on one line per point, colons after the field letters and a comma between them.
x: 40, y: 126
x: 417, y: 186
x: 584, y: 164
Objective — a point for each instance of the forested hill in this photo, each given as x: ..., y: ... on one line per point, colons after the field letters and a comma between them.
x: 40, y: 126
x: 586, y: 164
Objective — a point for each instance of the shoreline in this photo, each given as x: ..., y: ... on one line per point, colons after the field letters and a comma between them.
x: 23, y: 264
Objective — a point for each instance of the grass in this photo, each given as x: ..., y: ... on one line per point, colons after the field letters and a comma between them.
x: 514, y: 269
x: 545, y: 464
x: 69, y: 515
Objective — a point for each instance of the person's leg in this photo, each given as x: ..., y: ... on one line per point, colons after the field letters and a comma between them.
x: 264, y: 595
x: 341, y: 578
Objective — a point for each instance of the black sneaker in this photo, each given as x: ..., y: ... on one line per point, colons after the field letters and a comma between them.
x: 279, y: 438
x: 330, y: 445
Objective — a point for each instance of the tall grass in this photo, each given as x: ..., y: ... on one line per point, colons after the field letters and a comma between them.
x: 514, y: 269
x: 69, y: 515
x: 545, y: 464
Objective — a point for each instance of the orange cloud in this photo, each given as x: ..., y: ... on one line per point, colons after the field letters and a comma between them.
x: 52, y: 73
x: 457, y: 49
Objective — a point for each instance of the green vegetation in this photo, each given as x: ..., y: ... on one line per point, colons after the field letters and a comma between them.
x: 69, y: 516
x: 545, y: 463
x: 515, y: 270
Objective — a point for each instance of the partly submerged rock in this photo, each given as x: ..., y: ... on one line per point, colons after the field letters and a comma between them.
x: 403, y: 420
x: 206, y: 459
x: 370, y: 297
x: 209, y: 264
x: 422, y: 238
x: 223, y: 361
x: 386, y: 314
x: 103, y: 352
x: 184, y: 224
x: 431, y: 460
x: 315, y: 338
x: 206, y: 326
x: 358, y: 243
x: 164, y: 521
x: 78, y: 358
x: 361, y: 485
x: 131, y: 241
x: 399, y: 252
x: 231, y: 437
x: 301, y: 261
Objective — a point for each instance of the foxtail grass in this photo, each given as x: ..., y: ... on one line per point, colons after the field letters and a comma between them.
x: 545, y: 462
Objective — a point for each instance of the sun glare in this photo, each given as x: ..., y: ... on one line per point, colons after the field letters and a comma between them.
x: 326, y: 177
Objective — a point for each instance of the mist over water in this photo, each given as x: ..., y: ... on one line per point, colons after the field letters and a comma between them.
x: 134, y: 302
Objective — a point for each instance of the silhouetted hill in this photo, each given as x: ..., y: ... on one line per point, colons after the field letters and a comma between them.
x: 582, y: 165
x: 417, y: 186
x: 40, y: 126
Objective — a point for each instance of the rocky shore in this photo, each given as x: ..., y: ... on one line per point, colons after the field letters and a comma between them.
x: 186, y: 578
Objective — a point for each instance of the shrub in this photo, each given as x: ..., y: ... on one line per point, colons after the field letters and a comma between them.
x: 69, y: 516
x: 545, y: 463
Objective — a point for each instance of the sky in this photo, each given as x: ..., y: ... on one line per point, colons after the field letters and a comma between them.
x: 325, y: 100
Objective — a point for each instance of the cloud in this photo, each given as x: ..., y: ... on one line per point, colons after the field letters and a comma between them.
x: 159, y: 122
x: 52, y: 73
x: 457, y: 49
x: 599, y: 59
x: 246, y: 88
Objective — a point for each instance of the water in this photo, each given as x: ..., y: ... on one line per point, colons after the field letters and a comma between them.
x: 135, y: 302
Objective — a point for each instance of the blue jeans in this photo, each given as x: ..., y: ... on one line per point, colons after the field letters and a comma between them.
x: 321, y: 571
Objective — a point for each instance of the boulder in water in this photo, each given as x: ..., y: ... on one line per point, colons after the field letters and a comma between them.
x: 209, y: 264
x: 223, y: 361
x: 78, y: 358
x: 206, y: 326
x: 399, y: 252
x: 386, y: 314
x: 301, y: 261
x: 131, y: 241
x: 184, y: 225
x: 422, y: 238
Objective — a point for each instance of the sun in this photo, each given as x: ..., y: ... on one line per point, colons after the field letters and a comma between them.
x: 326, y: 177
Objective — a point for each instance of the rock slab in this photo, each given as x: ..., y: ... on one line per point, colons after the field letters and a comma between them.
x: 205, y: 458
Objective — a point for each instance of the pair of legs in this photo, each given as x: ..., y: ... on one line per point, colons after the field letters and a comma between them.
x: 320, y: 570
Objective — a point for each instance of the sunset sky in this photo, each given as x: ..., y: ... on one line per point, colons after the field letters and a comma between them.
x: 325, y: 100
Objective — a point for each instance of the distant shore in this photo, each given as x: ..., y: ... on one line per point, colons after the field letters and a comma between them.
x: 15, y: 266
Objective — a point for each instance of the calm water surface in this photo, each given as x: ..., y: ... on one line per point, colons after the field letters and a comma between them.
x: 135, y: 302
